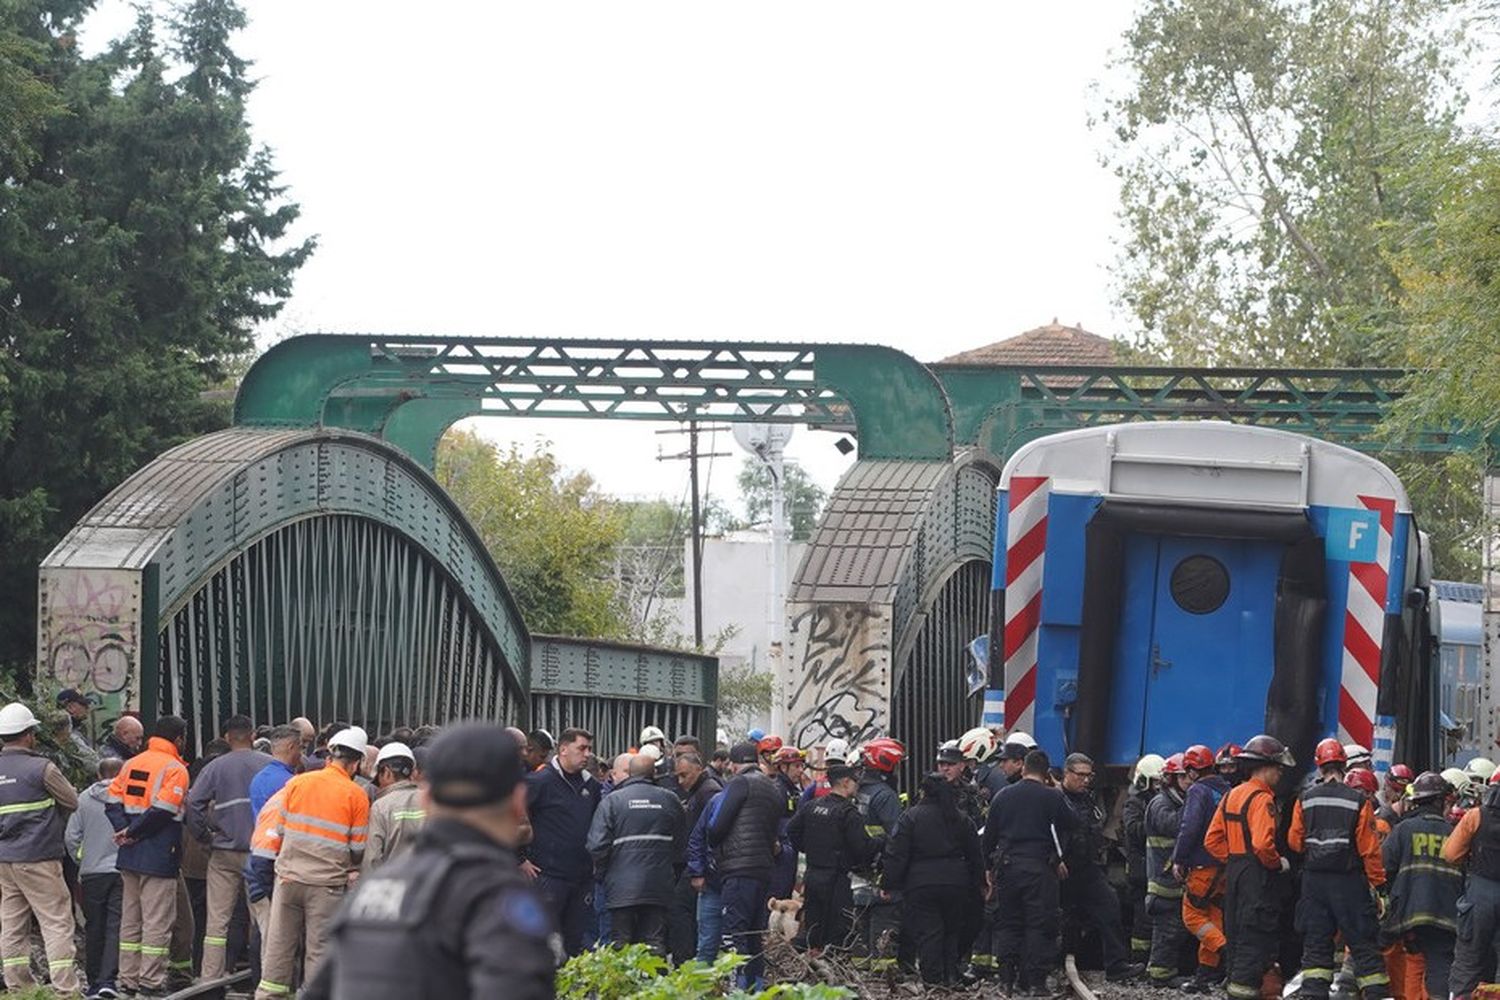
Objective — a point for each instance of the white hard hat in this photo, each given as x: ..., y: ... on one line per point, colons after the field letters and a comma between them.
x: 353, y: 738
x: 651, y: 733
x: 1481, y: 767
x: 394, y: 749
x: 651, y: 750
x: 1458, y: 778
x: 1147, y: 770
x: 978, y: 744
x: 836, y: 752
x: 1022, y: 738
x: 15, y: 719
x: 1353, y: 751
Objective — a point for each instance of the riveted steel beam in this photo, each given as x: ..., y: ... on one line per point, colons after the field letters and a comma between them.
x: 898, y: 408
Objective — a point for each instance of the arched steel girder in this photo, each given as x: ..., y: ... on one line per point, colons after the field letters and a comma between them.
x: 179, y: 539
x: 871, y: 612
x: 408, y: 390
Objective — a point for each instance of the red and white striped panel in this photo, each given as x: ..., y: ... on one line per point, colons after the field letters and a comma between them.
x: 1364, y: 632
x: 1025, y: 551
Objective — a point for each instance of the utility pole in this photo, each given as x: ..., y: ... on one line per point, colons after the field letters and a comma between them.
x: 692, y: 455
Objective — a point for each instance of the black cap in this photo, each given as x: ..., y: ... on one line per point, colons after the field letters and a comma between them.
x: 744, y: 753
x: 474, y: 764
x: 950, y: 755
x: 1014, y: 751
x: 69, y: 695
x: 839, y: 772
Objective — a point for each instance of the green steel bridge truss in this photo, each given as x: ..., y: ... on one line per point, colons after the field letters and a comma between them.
x: 893, y: 582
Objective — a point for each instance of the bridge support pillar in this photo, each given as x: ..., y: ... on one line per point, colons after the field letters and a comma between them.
x: 92, y: 634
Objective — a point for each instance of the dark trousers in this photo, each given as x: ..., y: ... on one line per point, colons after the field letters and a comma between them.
x: 570, y: 902
x: 783, y: 872
x: 1435, y: 945
x: 1478, y: 934
x: 102, y: 895
x: 197, y: 890
x: 826, y: 902
x: 1168, y: 937
x: 1335, y: 903
x: 1142, y: 920
x: 645, y: 925
x: 1086, y: 891
x: 1027, y: 920
x: 1252, y: 922
x: 745, y: 920
x: 682, y: 921
x: 939, y: 918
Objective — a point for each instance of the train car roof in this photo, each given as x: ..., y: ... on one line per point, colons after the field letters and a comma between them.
x: 1205, y: 462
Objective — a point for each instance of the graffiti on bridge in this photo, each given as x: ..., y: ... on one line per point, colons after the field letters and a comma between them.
x: 840, y: 672
x: 90, y: 628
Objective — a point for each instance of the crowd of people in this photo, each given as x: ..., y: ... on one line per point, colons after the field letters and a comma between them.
x: 473, y: 860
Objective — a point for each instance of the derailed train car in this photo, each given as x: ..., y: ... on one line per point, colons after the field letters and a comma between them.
x: 1163, y: 584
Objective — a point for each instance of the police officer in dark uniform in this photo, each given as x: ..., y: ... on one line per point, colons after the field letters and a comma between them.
x: 1085, y: 888
x: 1022, y: 837
x: 955, y: 770
x: 831, y: 833
x: 454, y: 918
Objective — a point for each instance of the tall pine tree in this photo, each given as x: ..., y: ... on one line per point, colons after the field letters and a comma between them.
x: 141, y: 241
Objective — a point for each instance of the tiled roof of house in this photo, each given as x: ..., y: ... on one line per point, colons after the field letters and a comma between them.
x: 1053, y: 344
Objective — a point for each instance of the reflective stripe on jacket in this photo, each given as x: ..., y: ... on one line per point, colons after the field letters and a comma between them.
x: 395, y: 820
x: 322, y: 826
x: 146, y: 800
x: 265, y: 844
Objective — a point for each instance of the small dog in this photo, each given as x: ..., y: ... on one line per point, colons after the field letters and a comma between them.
x: 786, y: 918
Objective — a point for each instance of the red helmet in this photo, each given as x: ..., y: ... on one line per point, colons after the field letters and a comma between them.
x: 882, y: 754
x: 1400, y: 775
x: 789, y: 755
x: 1329, y: 751
x: 1363, y: 779
x: 1198, y: 758
x: 768, y: 744
x: 1227, y: 753
x: 1495, y: 778
x: 1174, y: 765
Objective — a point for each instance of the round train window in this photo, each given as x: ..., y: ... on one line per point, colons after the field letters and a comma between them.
x: 1200, y: 584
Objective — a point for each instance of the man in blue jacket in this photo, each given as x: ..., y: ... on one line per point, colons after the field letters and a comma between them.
x: 703, y: 876
x: 561, y: 798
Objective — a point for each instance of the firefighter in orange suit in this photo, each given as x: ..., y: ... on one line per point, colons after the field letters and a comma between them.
x: 1242, y: 835
x: 1333, y: 828
x: 144, y: 805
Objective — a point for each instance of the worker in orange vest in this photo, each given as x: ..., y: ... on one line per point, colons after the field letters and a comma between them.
x: 144, y: 805
x: 1242, y: 835
x: 319, y: 837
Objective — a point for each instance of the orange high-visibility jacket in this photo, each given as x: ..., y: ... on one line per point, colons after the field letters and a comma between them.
x: 1249, y: 806
x: 145, y: 800
x: 319, y: 831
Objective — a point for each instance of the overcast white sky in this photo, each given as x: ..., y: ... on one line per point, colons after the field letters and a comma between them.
x: 919, y: 175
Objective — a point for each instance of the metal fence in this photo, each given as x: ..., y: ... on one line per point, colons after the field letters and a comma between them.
x: 614, y: 690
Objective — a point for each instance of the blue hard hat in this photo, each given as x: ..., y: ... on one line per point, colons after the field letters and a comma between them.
x: 756, y: 734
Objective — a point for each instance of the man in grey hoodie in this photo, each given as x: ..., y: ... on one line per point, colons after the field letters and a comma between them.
x: 90, y: 839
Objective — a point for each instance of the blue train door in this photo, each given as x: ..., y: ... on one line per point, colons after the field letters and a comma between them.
x: 1195, y: 648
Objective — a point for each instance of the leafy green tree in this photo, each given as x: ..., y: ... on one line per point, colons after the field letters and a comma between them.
x: 551, y: 532
x: 1270, y: 156
x: 804, y: 498
x: 1283, y: 167
x: 142, y: 234
x: 744, y: 696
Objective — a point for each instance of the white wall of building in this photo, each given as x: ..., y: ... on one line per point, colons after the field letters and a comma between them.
x: 737, y: 594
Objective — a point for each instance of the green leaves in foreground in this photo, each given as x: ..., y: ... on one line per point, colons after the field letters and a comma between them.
x: 635, y: 972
